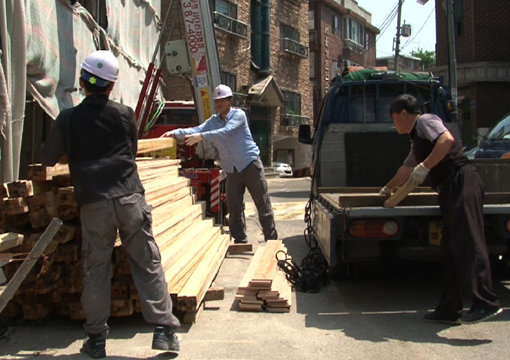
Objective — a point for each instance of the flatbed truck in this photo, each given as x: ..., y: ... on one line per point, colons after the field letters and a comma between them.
x: 356, y: 150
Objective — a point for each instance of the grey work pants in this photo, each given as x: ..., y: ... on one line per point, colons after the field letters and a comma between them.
x: 131, y: 216
x: 252, y: 177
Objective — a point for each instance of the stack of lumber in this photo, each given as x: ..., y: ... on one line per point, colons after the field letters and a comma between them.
x: 192, y: 247
x: 264, y: 286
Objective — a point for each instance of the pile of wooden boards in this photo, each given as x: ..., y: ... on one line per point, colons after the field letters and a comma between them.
x: 264, y: 286
x: 192, y: 247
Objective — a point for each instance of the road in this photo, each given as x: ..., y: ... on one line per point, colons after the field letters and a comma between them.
x: 376, y: 315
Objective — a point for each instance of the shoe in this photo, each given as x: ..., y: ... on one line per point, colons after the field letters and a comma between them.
x: 94, y: 346
x: 437, y: 317
x: 164, y: 338
x: 476, y: 315
x: 240, y: 241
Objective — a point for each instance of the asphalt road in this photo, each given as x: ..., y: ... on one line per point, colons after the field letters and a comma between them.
x: 376, y: 315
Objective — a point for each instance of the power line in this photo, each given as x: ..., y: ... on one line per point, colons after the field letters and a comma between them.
x: 421, y: 28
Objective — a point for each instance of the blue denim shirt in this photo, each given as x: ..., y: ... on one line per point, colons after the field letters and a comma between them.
x: 232, y: 138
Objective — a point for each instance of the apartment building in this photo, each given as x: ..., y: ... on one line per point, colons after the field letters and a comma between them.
x: 482, y: 59
x: 341, y: 35
x: 263, y: 56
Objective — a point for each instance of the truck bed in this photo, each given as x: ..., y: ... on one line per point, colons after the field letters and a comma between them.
x: 365, y: 201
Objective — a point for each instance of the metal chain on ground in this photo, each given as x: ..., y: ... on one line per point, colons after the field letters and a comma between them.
x: 311, y: 274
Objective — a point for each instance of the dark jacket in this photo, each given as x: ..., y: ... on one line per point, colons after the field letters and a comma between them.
x: 99, y: 137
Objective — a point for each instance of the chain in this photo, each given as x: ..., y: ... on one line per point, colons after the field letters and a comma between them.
x: 311, y: 274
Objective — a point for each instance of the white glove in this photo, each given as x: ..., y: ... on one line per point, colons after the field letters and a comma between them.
x: 418, y: 175
x: 168, y: 133
x: 193, y: 139
x: 386, y: 191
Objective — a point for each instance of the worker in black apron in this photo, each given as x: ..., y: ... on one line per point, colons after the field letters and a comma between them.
x: 436, y: 157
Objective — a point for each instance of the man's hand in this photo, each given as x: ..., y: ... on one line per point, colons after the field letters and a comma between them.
x: 418, y: 175
x: 386, y: 191
x: 168, y: 134
x: 193, y: 139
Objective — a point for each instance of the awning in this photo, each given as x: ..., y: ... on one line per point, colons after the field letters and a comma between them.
x: 266, y: 93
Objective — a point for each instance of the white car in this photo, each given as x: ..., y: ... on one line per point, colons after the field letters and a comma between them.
x: 282, y: 169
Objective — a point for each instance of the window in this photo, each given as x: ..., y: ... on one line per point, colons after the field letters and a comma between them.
x: 334, y: 25
x: 225, y: 18
x: 289, y: 32
x: 226, y: 8
x: 292, y: 103
x: 289, y: 41
x: 229, y: 79
x: 354, y: 31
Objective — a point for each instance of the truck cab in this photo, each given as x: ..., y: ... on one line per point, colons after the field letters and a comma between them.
x: 355, y: 142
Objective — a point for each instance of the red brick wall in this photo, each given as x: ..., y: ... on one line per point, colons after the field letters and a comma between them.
x: 484, y: 32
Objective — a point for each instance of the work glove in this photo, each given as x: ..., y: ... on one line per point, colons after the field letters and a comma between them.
x: 193, y: 139
x: 168, y: 133
x: 386, y: 191
x: 418, y: 175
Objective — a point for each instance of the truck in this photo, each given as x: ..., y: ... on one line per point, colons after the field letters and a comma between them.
x: 356, y: 150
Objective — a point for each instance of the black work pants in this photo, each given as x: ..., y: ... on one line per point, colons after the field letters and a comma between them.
x: 466, y: 257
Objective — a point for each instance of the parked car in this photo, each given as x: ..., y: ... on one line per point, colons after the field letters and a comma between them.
x: 282, y: 169
x: 497, y: 143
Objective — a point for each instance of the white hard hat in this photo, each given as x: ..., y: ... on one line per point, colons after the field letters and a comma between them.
x: 103, y: 64
x: 222, y: 92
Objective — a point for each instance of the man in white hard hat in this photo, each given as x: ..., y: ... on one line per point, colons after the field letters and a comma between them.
x: 239, y: 157
x: 99, y: 138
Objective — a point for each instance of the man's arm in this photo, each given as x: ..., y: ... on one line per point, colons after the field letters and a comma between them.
x: 441, y: 149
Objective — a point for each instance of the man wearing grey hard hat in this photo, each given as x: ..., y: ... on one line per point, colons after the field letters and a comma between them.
x: 99, y: 138
x: 239, y: 157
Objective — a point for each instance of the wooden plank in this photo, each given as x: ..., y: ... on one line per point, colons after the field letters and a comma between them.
x: 29, y: 262
x: 267, y: 266
x: 196, y: 288
x: 10, y: 240
x: 213, y: 294
x: 181, y: 269
x: 148, y: 145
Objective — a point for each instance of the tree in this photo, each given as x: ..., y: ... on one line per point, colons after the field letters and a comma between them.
x: 428, y: 58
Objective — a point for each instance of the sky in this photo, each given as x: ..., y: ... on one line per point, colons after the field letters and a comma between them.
x: 421, y: 17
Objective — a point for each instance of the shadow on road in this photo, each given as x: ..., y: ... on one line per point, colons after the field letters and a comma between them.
x: 385, y: 302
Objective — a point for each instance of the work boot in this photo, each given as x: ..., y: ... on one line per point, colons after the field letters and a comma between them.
x: 164, y: 338
x: 477, y: 314
x: 94, y: 346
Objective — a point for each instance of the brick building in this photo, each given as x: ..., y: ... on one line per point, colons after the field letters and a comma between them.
x: 263, y: 56
x: 341, y: 35
x: 405, y: 63
x: 483, y: 61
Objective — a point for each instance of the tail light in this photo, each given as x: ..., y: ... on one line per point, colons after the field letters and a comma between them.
x: 373, y: 228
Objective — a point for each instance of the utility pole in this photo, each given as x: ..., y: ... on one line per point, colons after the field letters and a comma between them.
x: 397, y: 42
x: 452, y: 61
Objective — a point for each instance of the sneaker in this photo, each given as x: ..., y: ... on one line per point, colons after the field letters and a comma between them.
x: 164, y: 338
x: 94, y: 346
x: 240, y: 241
x: 437, y: 317
x: 476, y: 315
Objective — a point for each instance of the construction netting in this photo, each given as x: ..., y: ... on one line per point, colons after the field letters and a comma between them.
x: 43, y: 44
